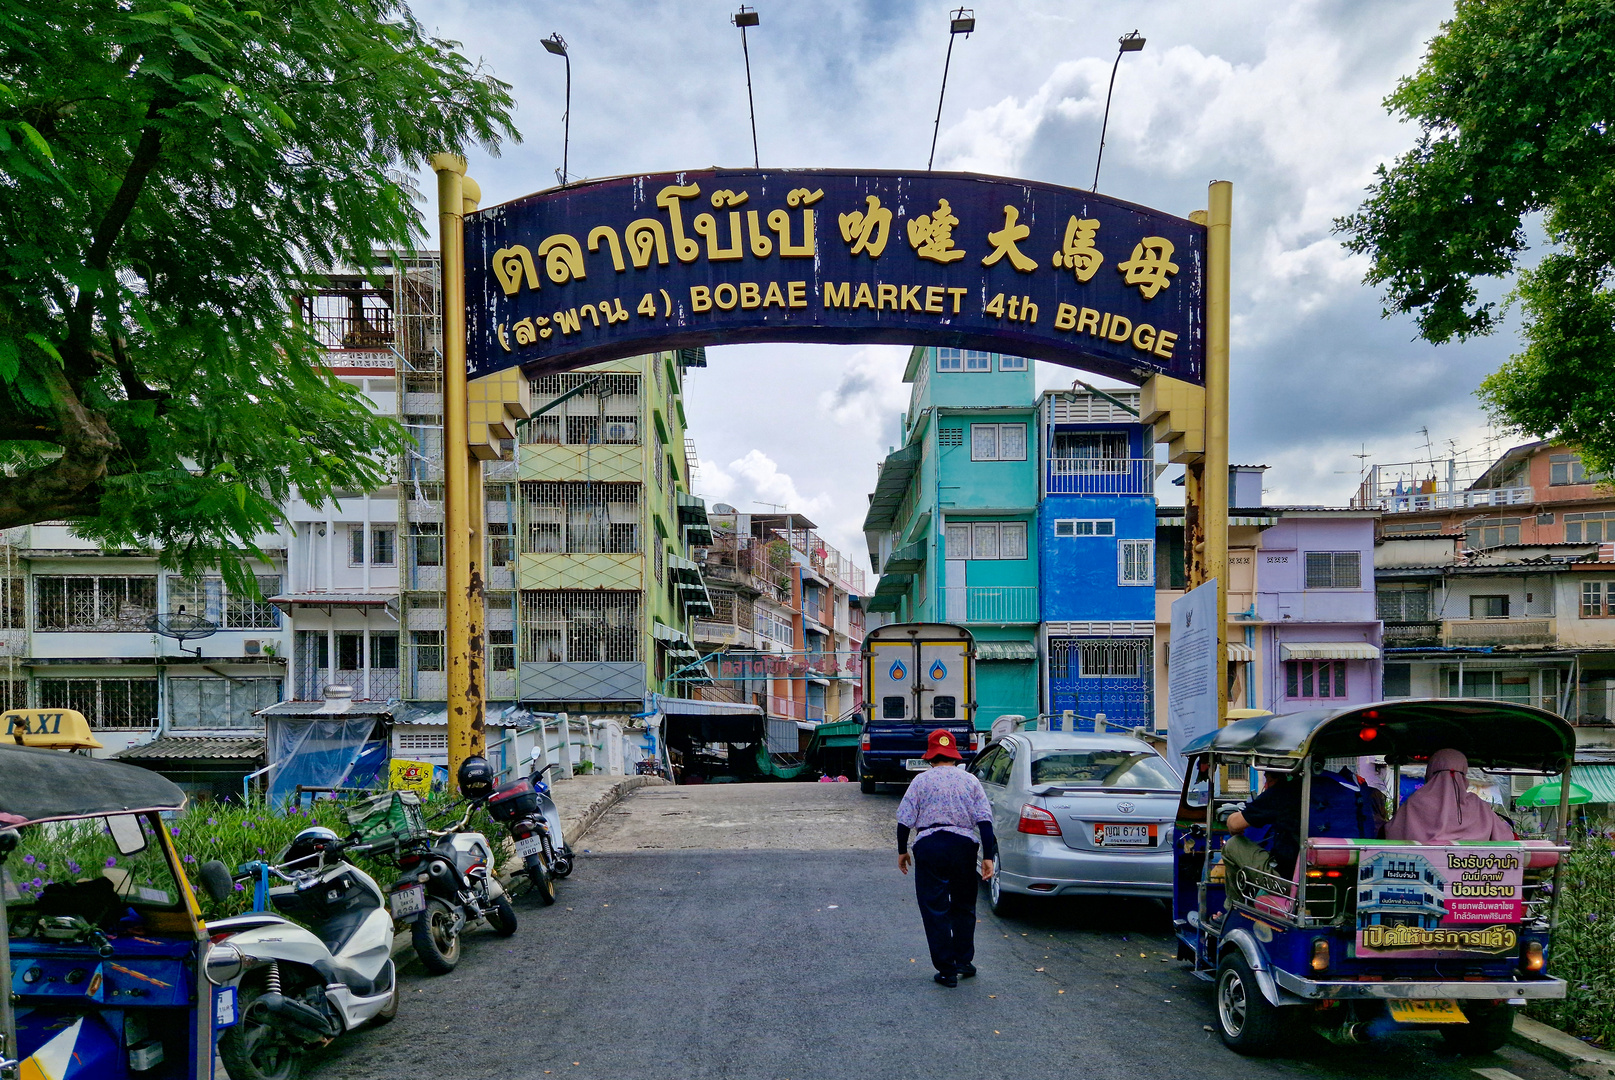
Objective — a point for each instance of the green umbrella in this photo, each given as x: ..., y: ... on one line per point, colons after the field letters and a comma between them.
x: 1548, y: 795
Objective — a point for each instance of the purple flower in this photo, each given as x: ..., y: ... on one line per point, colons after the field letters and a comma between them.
x: 240, y: 887
x: 212, y: 821
x: 250, y: 824
x: 74, y: 867
x: 29, y: 859
x: 190, y: 858
x: 261, y: 851
x: 1592, y: 916
x: 37, y: 883
x: 112, y: 860
x: 175, y: 830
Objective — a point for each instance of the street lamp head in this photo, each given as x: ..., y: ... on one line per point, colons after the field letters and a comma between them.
x: 744, y: 17
x: 1130, y: 42
x: 555, y: 44
x: 963, y: 21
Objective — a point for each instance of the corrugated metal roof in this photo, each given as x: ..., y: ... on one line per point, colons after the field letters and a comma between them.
x: 196, y: 748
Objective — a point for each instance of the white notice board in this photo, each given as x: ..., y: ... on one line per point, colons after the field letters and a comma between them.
x: 1191, y: 672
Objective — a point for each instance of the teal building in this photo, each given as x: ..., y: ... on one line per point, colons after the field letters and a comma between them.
x: 952, y: 522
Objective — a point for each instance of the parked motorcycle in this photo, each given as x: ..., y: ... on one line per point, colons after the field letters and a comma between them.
x: 301, y: 986
x: 526, y: 808
x: 448, y: 882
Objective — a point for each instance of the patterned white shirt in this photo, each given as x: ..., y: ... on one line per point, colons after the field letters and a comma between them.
x: 947, y: 798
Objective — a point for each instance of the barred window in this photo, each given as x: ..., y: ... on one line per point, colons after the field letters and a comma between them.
x: 426, y: 543
x: 1402, y: 602
x: 94, y: 604
x: 580, y: 626
x: 1334, y: 570
x: 1135, y: 562
x: 502, y: 650
x: 209, y: 598
x: 607, y: 412
x: 428, y: 646
x: 106, y: 703
x: 13, y: 694
x: 13, y: 604
x: 581, y: 517
x: 501, y: 543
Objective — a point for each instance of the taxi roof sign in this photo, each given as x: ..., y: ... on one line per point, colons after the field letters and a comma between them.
x: 50, y: 729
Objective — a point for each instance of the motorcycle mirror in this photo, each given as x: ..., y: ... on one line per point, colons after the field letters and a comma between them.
x: 535, y: 755
x: 126, y: 833
x: 215, y: 878
x: 9, y: 839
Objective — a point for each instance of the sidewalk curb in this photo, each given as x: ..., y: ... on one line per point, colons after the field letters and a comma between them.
x: 1566, y: 1051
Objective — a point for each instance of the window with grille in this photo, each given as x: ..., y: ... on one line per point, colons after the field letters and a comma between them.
x: 421, y: 742
x: 997, y: 442
x: 1315, y: 678
x: 381, y: 545
x: 580, y: 626
x: 658, y: 466
x: 502, y: 650
x: 229, y: 610
x: 1122, y: 658
x: 94, y: 604
x: 501, y: 543
x: 1403, y: 602
x: 428, y: 649
x: 660, y: 561
x: 1089, y: 446
x: 581, y: 517
x: 1590, y: 528
x: 426, y: 543
x: 219, y: 703
x: 772, y: 626
x: 13, y: 694
x: 1334, y: 570
x: 1135, y: 562
x: 105, y: 703
x: 13, y: 604
x: 1490, y: 534
x: 383, y: 650
x: 607, y: 412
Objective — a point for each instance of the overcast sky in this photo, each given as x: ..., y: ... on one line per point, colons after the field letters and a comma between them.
x: 1282, y: 98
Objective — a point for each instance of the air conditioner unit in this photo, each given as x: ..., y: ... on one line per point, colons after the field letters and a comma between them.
x: 252, y: 647
x: 621, y: 431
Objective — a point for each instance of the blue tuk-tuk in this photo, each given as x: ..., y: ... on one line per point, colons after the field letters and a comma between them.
x: 102, y: 945
x: 1368, y: 935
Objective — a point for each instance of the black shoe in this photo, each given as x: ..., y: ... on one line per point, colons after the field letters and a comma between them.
x: 967, y: 971
x: 946, y: 978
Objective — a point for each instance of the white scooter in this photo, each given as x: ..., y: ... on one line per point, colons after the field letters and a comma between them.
x: 302, y: 987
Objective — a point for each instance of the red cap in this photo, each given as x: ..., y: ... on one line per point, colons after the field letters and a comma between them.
x: 942, y: 744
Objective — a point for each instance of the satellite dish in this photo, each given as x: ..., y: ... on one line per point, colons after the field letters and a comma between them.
x: 182, y: 627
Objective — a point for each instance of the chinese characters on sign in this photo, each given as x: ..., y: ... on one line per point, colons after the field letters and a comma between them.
x: 613, y: 268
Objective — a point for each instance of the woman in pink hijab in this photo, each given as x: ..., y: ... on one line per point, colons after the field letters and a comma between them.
x: 1444, y: 809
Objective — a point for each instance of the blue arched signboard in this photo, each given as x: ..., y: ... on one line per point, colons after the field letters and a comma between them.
x: 624, y: 266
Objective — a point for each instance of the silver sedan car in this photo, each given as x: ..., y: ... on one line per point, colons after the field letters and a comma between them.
x: 1078, y: 813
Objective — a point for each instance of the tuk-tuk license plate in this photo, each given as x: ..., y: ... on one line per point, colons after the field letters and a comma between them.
x: 916, y: 764
x: 530, y: 846
x: 410, y: 901
x: 1124, y: 835
x: 1426, y: 1012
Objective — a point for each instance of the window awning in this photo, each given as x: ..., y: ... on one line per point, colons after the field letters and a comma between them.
x: 1006, y: 650
x: 889, y: 602
x: 1599, y: 780
x: 906, y: 560
x: 1327, y: 650
x: 1240, y: 654
x: 328, y: 600
x: 893, y: 584
x: 895, y: 473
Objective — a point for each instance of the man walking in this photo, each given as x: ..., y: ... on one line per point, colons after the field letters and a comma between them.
x: 946, y: 809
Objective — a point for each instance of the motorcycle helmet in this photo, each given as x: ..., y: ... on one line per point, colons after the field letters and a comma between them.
x: 476, y: 778
x: 313, y: 841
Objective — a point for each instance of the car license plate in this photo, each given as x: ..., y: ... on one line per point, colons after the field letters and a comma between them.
x: 916, y: 764
x: 410, y: 901
x: 1442, y: 1011
x: 1124, y: 835
x: 530, y: 846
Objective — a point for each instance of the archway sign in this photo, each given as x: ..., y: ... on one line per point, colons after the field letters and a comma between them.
x: 618, y: 267
x: 592, y: 272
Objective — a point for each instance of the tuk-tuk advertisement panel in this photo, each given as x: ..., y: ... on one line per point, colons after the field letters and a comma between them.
x: 1429, y: 901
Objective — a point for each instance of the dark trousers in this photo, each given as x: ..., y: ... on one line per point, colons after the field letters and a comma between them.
x: 945, y: 883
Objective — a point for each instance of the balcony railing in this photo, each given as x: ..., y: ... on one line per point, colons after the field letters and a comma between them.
x: 1412, y: 634
x: 1499, y: 632
x: 1101, y: 476
x: 1393, y: 502
x: 991, y: 604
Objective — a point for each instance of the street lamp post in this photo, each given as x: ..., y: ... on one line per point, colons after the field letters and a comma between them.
x: 1125, y: 44
x: 743, y: 18
x: 556, y: 45
x: 962, y: 21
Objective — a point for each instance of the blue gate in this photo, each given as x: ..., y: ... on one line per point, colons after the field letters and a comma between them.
x: 1113, y: 676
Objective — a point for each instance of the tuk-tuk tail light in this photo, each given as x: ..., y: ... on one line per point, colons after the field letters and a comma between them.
x: 1320, y: 954
x: 1533, y: 959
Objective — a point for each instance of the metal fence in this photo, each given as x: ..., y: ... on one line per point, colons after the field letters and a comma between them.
x: 1101, y: 476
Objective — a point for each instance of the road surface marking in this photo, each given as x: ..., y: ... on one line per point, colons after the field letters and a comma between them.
x: 1495, y: 1074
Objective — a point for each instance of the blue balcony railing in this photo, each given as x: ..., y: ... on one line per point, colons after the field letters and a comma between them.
x: 1101, y: 476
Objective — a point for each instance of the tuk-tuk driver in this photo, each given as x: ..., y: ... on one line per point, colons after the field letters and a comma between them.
x: 1267, y: 830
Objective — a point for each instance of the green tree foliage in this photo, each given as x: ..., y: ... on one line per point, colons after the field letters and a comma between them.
x: 1515, y: 103
x: 171, y: 174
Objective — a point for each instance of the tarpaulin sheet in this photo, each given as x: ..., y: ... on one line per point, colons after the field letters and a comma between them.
x: 317, y: 752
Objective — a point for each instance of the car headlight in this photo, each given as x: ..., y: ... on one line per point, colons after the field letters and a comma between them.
x: 223, y: 964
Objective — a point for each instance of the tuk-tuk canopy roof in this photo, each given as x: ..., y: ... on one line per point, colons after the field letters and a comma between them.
x: 50, y: 785
x: 1492, y: 734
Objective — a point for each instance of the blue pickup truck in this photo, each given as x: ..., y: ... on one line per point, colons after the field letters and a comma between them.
x: 917, y: 677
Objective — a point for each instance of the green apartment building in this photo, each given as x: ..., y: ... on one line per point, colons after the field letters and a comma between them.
x: 605, y: 583
x: 952, y: 520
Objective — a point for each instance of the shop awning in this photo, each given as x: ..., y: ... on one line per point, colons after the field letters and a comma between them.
x: 1006, y: 650
x: 1327, y: 650
x: 1599, y: 780
x: 895, y: 473
x: 1240, y: 654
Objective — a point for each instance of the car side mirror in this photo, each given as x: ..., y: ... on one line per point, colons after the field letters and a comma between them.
x: 215, y: 879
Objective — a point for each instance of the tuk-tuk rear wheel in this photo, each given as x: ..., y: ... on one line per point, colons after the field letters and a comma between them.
x: 1487, y: 1031
x: 253, y: 1049
x: 1247, y: 1021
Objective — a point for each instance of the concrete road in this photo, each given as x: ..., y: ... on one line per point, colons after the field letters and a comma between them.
x: 763, y: 932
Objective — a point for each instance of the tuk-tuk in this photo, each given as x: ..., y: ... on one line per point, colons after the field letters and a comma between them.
x: 103, y: 950
x: 1368, y: 935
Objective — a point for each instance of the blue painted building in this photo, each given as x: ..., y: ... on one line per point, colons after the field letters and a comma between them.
x: 1096, y: 558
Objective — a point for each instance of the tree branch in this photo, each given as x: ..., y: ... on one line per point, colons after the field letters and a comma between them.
x: 69, y: 486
